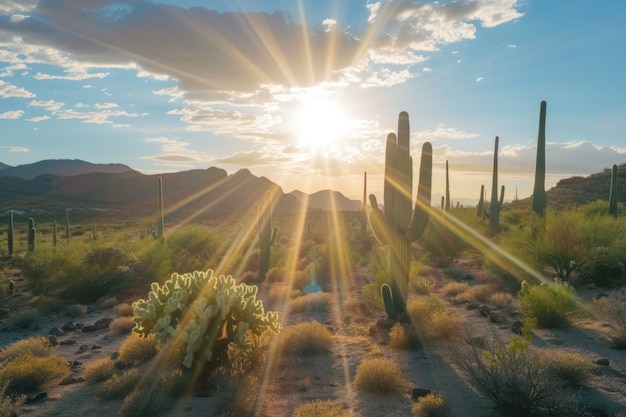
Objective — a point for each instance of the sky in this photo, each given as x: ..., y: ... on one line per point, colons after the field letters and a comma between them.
x: 305, y: 92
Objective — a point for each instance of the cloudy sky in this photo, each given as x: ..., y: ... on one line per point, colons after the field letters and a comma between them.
x: 305, y: 92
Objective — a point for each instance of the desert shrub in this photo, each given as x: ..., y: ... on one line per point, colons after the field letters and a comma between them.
x: 124, y: 309
x: 23, y: 318
x: 76, y: 310
x: 570, y: 368
x: 155, y: 395
x: 478, y: 292
x: 501, y: 299
x: 307, y: 338
x: 552, y: 304
x: 444, y: 324
x: 403, y: 336
x: 28, y: 372
x: 605, y: 267
x: 192, y: 246
x: 317, y: 301
x: 422, y: 307
x: 119, y: 386
x: 36, y: 346
x: 276, y: 274
x: 443, y: 246
x: 46, y: 269
x: 98, y: 370
x: 319, y: 408
x: 47, y: 305
x: 10, y: 404
x: 378, y: 376
x: 612, y: 309
x: 431, y: 405
x: 109, y: 302
x: 122, y: 324
x: 454, y: 288
x: 515, y: 377
x: 190, y: 312
x: 137, y: 350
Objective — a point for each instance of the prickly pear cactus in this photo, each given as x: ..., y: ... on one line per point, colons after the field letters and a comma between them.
x: 203, y: 313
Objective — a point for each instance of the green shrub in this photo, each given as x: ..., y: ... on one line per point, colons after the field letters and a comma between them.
x: 443, y: 245
x: 24, y: 318
x: 319, y: 408
x: 606, y: 267
x: 431, y: 405
x: 612, y: 309
x: 570, y: 368
x: 378, y: 376
x: 28, y: 372
x: 552, y: 304
x: 308, y: 338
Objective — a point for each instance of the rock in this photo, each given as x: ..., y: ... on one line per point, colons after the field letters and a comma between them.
x: 472, y: 306
x: 70, y: 326
x: 603, y: 361
x: 52, y: 339
x: 71, y: 379
x: 74, y: 364
x: 484, y: 310
x: 89, y: 328
x: 417, y: 393
x: 55, y: 331
x: 496, y: 317
x: 68, y: 342
x: 37, y: 397
x: 103, y: 323
x: 82, y: 349
x: 516, y: 326
x: 96, y: 347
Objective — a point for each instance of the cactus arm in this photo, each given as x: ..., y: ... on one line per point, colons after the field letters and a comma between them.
x: 390, y: 307
x: 501, y: 202
x: 378, y: 224
x: 419, y: 219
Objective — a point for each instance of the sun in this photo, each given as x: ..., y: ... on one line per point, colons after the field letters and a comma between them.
x: 319, y: 125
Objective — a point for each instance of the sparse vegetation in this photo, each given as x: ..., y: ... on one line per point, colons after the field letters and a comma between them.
x: 378, y: 376
x: 612, y: 309
x: 552, y: 305
x: 119, y: 386
x: 99, y: 370
x: 319, y: 408
x: 137, y: 350
x: 431, y: 405
x: 307, y: 338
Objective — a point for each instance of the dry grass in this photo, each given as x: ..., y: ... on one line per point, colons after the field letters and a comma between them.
x: 501, y: 299
x: 76, y: 310
x: 99, y: 370
x: 23, y: 318
x: 317, y: 301
x: 108, y: 302
x: 120, y: 386
x: 612, y: 309
x: 138, y: 350
x: 444, y: 324
x: 124, y: 310
x: 378, y: 376
x: 319, y: 408
x: 454, y: 288
x: 478, y: 292
x: 308, y: 338
x: 431, y: 405
x: 36, y: 346
x: 569, y: 367
x: 403, y: 336
x: 28, y: 372
x: 122, y: 324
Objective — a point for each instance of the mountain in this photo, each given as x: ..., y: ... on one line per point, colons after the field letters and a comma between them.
x: 60, y: 167
x: 191, y: 194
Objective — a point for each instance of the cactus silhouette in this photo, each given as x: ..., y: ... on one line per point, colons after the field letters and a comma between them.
x: 10, y: 233
x: 447, y: 206
x: 398, y: 224
x: 267, y: 234
x: 539, y: 191
x: 160, y: 229
x: 32, y: 235
x: 495, y: 205
x: 613, y: 192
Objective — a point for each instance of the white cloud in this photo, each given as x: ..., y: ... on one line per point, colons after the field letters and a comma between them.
x: 102, y: 106
x: 479, y: 79
x: 12, y: 114
x: 427, y: 69
x: 38, y: 119
x: 329, y: 24
x: 49, y: 105
x: 442, y: 132
x: 15, y: 149
x: 10, y: 91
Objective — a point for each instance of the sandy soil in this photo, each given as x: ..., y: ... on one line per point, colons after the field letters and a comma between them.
x: 300, y: 380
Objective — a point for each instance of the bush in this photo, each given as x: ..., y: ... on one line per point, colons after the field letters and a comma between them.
x: 122, y: 324
x: 443, y: 245
x: 378, y: 376
x: 120, y: 386
x: 28, y: 372
x: 431, y: 405
x: 124, y: 310
x: 317, y: 301
x: 501, y: 299
x: 37, y: 346
x: 552, y: 305
x: 23, y: 319
x: 155, y: 395
x: 403, y: 336
x: 478, y: 292
x: 606, y: 267
x: 454, y: 288
x: 612, y: 309
x: 138, y: 350
x: 319, y: 408
x: 308, y: 338
x: 570, y: 368
x: 99, y: 370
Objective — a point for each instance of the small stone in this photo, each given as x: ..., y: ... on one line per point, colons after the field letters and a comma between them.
x: 472, y: 306
x: 495, y: 317
x: 516, y: 326
x: 55, y: 331
x: 89, y: 328
x: 83, y: 349
x: 484, y: 310
x: 68, y: 380
x: 68, y: 342
x: 417, y: 393
x: 115, y: 355
x: 95, y: 347
x: 603, y: 361
x: 74, y: 364
x: 36, y: 397
x: 70, y: 326
x: 52, y: 339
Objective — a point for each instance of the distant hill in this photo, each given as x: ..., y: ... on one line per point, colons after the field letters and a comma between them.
x: 193, y: 194
x: 60, y: 167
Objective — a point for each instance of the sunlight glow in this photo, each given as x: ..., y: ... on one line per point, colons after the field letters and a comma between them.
x: 319, y: 125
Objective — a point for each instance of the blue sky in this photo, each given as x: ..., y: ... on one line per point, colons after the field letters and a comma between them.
x: 305, y: 92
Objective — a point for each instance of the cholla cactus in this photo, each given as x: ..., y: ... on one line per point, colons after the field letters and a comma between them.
x: 199, y: 310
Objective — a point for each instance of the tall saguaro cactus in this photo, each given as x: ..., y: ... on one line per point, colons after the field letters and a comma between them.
x: 399, y: 223
x: 447, y: 207
x: 480, y: 208
x: 67, y: 224
x: 267, y: 234
x: 539, y: 191
x: 495, y: 205
x: 160, y: 229
x: 32, y: 235
x: 10, y: 235
x: 613, y: 192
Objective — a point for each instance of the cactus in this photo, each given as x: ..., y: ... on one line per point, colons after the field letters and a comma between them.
x: 480, y: 208
x: 32, y: 235
x: 447, y: 207
x: 539, y: 190
x: 266, y: 233
x: 364, y: 206
x: 10, y: 233
x: 160, y: 228
x: 201, y: 314
x: 67, y: 224
x: 94, y: 234
x: 494, y: 207
x: 613, y: 192
x: 397, y: 225
x: 54, y: 233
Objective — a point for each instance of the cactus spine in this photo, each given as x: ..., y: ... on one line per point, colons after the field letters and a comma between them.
x: 539, y: 190
x: 447, y: 207
x: 32, y: 235
x: 10, y: 233
x: 613, y: 192
x: 267, y: 234
x: 398, y: 224
x: 160, y: 229
x: 495, y: 206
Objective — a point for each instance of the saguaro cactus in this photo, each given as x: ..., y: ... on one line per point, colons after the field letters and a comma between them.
x: 54, y: 233
x: 539, y: 191
x: 94, y: 233
x: 32, y: 235
x: 447, y: 207
x: 10, y: 233
x: 397, y: 224
x: 480, y: 208
x: 364, y: 206
x: 160, y: 229
x: 67, y: 224
x: 495, y: 205
x: 267, y: 234
x: 613, y: 192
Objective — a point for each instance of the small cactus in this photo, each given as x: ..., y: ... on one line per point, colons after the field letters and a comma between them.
x: 267, y: 234
x: 32, y: 235
x: 447, y: 206
x: 480, y: 208
x: 67, y: 224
